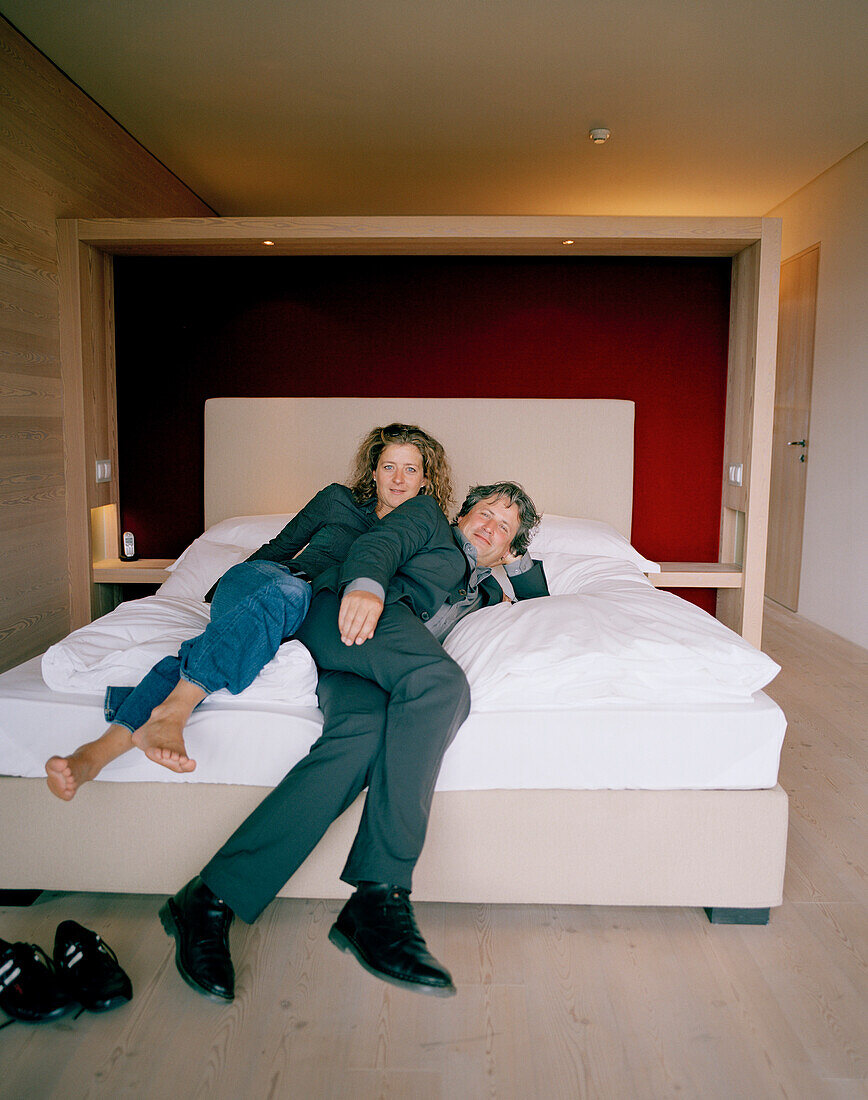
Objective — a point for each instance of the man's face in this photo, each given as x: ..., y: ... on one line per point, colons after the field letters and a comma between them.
x: 490, y: 526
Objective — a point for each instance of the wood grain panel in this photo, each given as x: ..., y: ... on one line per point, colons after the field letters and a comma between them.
x: 718, y: 236
x: 749, y: 420
x: 761, y: 422
x: 30, y: 290
x: 29, y: 395
x: 60, y: 156
x: 28, y: 353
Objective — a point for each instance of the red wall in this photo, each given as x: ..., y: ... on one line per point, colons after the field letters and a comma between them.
x: 651, y: 330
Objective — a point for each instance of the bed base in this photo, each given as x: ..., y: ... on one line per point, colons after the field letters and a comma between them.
x: 720, y: 915
x: 18, y: 898
x: 721, y: 850
x: 24, y: 898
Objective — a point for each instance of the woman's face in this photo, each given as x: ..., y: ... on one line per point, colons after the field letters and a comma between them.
x: 399, y: 475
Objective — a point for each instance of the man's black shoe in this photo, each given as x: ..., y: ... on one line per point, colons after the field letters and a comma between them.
x: 199, y: 922
x: 378, y: 927
x: 29, y: 988
x: 88, y: 969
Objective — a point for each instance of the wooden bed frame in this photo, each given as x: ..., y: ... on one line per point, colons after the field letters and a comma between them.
x: 723, y: 850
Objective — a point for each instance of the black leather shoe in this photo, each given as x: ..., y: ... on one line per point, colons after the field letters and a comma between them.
x: 29, y: 987
x: 200, y: 922
x: 378, y: 927
x: 88, y: 969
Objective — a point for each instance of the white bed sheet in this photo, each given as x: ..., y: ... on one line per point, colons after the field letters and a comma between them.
x: 616, y: 745
x: 604, y: 634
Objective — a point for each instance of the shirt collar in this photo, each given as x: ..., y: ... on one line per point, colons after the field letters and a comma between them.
x: 479, y: 573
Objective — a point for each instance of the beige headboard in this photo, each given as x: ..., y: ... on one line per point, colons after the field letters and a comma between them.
x: 574, y: 457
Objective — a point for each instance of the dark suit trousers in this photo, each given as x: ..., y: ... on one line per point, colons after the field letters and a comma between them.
x: 391, y: 707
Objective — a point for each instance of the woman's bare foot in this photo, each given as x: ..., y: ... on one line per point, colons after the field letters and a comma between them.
x: 67, y: 773
x: 161, y: 739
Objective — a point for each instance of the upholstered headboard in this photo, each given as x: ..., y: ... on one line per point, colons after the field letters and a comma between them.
x: 574, y: 457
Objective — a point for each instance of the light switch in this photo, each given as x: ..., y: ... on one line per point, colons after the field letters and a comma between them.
x: 735, y: 473
x: 103, y: 470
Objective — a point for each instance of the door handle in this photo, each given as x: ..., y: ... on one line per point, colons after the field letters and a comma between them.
x: 799, y: 443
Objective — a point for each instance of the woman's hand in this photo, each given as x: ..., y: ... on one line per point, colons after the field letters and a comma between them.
x: 358, y: 617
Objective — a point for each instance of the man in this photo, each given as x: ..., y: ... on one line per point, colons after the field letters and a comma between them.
x: 392, y: 701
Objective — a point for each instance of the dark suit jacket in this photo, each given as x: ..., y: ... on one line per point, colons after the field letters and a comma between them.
x: 323, y: 531
x: 412, y: 553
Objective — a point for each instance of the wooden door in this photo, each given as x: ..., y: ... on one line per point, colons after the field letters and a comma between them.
x: 790, y: 439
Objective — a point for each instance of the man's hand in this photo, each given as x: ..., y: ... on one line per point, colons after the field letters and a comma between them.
x: 358, y: 617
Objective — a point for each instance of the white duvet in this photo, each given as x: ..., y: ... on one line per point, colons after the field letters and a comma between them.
x: 605, y: 633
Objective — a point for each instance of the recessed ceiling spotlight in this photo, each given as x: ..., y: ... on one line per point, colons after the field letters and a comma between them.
x: 568, y: 242
x: 268, y: 242
x: 599, y: 135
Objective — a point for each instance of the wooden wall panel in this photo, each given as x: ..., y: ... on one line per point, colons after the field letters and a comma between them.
x: 61, y: 156
x: 749, y: 419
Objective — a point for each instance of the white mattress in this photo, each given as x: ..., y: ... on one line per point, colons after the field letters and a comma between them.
x: 614, y: 746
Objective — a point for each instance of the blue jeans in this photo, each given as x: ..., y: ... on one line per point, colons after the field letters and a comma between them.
x: 257, y: 605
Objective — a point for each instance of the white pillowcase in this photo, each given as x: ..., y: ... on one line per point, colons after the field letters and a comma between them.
x: 121, y: 647
x: 232, y: 540
x: 588, y: 537
x: 569, y: 574
x: 250, y: 531
x: 202, y: 564
x: 606, y: 634
x: 225, y: 544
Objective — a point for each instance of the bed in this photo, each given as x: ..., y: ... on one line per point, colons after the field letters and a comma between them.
x: 620, y: 750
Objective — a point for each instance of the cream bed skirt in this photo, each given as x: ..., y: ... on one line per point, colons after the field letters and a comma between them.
x: 702, y: 848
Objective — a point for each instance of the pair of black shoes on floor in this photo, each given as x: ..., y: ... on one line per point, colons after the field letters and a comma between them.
x: 84, y: 971
x: 376, y: 925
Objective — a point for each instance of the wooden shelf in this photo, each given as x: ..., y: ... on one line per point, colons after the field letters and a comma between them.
x: 143, y: 571
x: 673, y: 574
x: 697, y: 574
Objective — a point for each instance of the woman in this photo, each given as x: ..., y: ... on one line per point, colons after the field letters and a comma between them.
x: 258, y: 604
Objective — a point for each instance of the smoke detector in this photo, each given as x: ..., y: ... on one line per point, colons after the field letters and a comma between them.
x: 599, y: 135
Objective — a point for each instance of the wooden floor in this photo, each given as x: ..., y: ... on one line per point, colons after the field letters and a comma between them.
x: 554, y: 1001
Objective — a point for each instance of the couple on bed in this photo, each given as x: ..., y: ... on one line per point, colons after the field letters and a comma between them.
x: 371, y: 579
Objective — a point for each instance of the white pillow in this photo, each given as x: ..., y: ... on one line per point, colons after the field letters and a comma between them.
x: 614, y: 636
x: 250, y: 531
x: 568, y: 574
x: 225, y: 544
x: 202, y: 564
x: 121, y: 647
x: 588, y: 537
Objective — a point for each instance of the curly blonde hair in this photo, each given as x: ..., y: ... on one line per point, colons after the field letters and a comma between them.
x: 435, y: 462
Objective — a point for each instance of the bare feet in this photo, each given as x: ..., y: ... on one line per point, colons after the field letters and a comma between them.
x: 161, y: 739
x: 67, y: 773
